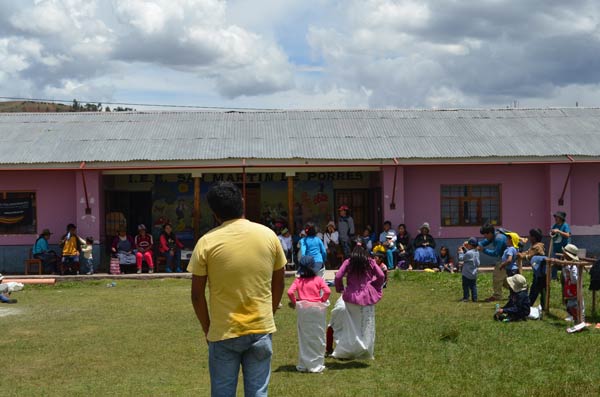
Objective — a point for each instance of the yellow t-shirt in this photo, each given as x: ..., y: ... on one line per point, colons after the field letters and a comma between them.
x: 70, y: 247
x: 239, y: 258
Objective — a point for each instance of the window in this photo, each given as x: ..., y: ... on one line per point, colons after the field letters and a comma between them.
x: 17, y: 213
x: 470, y: 205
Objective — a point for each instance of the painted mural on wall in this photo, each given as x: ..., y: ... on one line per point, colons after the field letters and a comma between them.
x: 313, y: 202
x: 173, y: 202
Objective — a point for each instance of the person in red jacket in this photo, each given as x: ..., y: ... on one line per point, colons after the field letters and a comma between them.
x: 170, y: 247
x: 144, y: 243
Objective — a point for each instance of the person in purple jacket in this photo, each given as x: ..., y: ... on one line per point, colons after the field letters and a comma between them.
x: 352, y: 322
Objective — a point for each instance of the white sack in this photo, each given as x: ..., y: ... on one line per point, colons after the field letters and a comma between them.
x: 312, y: 322
x: 353, y: 330
x: 13, y: 287
x: 535, y: 313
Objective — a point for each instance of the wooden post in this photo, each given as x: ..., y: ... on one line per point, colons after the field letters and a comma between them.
x: 580, y: 269
x: 548, y: 279
x: 290, y: 180
x: 197, y: 213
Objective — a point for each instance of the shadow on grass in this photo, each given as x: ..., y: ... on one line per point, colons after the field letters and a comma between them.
x: 331, y: 366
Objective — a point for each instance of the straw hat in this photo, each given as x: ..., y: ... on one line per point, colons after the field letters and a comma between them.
x: 571, y: 251
x: 517, y: 283
x: 46, y: 232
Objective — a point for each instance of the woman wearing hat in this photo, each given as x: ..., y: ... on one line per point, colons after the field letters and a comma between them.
x: 42, y: 252
x: 424, y: 248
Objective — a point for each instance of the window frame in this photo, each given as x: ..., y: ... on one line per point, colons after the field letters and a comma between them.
x: 461, y: 200
x: 4, y: 194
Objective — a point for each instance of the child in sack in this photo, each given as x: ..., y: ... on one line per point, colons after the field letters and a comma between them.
x: 311, y: 304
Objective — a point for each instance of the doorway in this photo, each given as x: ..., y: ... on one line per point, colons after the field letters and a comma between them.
x: 359, y: 203
x: 136, y: 206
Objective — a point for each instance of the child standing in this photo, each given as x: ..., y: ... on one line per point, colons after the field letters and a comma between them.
x: 570, y: 275
x: 509, y: 259
x: 517, y: 308
x: 380, y: 261
x: 311, y: 307
x: 88, y: 260
x: 469, y: 256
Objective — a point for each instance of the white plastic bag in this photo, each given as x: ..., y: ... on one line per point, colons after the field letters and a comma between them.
x: 14, y: 287
x: 312, y: 321
x: 535, y: 313
x: 353, y: 330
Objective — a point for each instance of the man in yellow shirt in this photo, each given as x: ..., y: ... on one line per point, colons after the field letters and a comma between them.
x: 242, y: 263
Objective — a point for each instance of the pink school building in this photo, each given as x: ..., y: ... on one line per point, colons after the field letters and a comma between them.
x: 455, y: 169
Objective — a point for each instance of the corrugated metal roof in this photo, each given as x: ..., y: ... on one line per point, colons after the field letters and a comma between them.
x: 28, y: 138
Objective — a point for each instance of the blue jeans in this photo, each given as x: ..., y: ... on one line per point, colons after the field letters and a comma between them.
x: 469, y: 285
x: 252, y: 352
x: 173, y: 259
x: 345, y: 248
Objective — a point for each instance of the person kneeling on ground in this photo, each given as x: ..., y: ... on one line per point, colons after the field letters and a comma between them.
x: 5, y: 293
x: 517, y: 308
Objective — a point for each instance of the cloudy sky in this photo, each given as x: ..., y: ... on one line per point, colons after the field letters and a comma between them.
x: 304, y: 54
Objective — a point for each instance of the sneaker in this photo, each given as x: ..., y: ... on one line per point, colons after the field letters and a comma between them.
x: 151, y: 271
x: 168, y: 270
x: 89, y: 273
x: 569, y: 318
x: 139, y: 271
x: 178, y: 270
x: 491, y: 299
x: 464, y: 300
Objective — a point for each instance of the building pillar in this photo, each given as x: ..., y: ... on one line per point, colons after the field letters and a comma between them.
x: 392, y: 200
x: 290, y: 180
x: 197, y: 213
x: 557, y: 177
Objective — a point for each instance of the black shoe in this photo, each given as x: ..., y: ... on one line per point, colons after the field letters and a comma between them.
x: 10, y: 301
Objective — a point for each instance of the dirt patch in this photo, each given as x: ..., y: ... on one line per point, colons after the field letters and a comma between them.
x: 7, y: 311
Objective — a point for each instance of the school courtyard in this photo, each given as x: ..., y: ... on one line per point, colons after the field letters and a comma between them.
x: 141, y: 337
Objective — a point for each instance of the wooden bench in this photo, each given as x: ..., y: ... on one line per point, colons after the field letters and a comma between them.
x: 31, y: 261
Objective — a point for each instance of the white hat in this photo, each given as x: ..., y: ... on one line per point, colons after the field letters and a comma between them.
x: 425, y: 225
x: 571, y: 251
x: 517, y: 283
x: 390, y: 235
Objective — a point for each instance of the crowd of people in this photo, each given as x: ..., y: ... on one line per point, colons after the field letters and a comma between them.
x: 76, y: 253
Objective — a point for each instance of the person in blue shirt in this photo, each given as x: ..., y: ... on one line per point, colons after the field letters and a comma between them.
x: 312, y: 245
x: 561, y: 236
x: 42, y: 251
x: 498, y: 242
x: 509, y: 259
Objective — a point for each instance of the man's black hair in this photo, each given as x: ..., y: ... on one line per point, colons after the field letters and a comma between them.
x: 225, y: 200
x: 487, y: 228
x: 388, y: 223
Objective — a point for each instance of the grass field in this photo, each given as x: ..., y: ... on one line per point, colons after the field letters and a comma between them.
x: 141, y: 338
